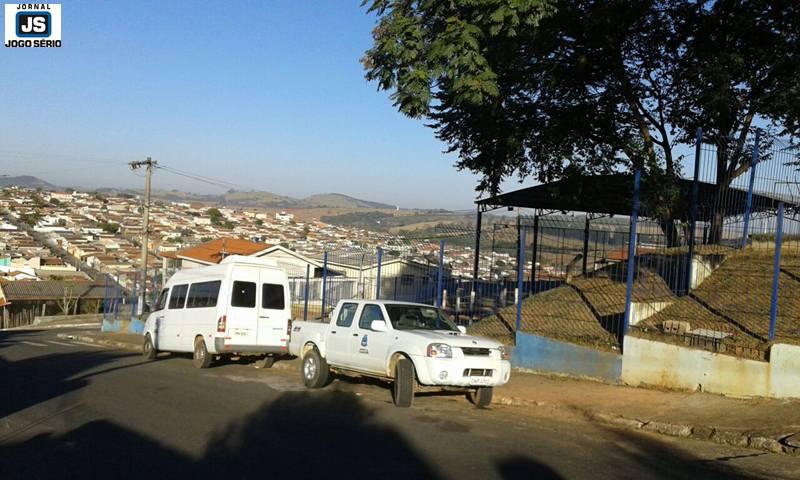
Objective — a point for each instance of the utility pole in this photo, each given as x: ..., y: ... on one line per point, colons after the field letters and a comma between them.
x: 149, y: 164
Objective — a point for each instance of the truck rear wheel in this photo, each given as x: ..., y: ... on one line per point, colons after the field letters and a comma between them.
x: 481, y: 397
x: 148, y: 349
x: 200, y: 357
x: 404, y: 383
x: 314, y: 370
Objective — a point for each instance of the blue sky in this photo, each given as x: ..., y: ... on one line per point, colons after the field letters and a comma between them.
x: 267, y: 95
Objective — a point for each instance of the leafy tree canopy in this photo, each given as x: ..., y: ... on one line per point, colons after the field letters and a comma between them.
x: 545, y: 88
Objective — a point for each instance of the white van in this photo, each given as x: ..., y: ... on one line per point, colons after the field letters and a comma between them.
x: 239, y: 307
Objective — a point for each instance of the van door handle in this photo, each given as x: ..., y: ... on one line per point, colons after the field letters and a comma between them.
x: 264, y: 317
x: 355, y: 334
x: 333, y: 331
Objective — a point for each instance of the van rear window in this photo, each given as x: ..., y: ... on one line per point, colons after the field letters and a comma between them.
x: 178, y: 296
x: 243, y: 295
x: 272, y: 296
x: 203, y: 294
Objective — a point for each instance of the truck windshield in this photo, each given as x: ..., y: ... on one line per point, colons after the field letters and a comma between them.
x: 417, y: 317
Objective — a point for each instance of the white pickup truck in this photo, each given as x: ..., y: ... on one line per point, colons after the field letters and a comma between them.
x: 413, y: 345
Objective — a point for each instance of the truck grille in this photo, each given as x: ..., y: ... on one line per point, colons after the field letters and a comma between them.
x: 476, y: 352
x: 478, y: 372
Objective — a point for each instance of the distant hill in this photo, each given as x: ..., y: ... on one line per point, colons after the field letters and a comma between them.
x: 337, y: 200
x: 272, y: 200
x: 26, y: 181
x: 253, y: 199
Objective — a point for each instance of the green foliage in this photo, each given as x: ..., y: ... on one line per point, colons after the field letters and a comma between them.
x: 109, y: 227
x: 550, y: 88
x: 259, y: 222
x: 30, y: 219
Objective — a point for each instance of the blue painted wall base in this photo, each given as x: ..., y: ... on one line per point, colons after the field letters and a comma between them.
x: 136, y: 326
x: 111, y: 325
x: 545, y: 354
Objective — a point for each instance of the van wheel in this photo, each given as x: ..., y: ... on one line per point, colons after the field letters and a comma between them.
x: 404, y: 383
x: 148, y: 349
x: 201, y: 358
x: 481, y: 397
x: 314, y: 370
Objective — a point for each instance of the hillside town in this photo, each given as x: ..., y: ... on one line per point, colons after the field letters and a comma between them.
x: 82, y: 239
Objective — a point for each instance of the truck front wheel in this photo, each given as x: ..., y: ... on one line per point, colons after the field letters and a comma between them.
x: 482, y: 397
x: 314, y: 370
x: 404, y: 383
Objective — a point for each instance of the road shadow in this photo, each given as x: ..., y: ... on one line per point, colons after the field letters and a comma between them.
x: 644, y: 452
x: 522, y: 468
x: 300, y: 435
x: 29, y: 381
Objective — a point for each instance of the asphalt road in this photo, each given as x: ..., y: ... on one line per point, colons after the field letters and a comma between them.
x: 72, y: 410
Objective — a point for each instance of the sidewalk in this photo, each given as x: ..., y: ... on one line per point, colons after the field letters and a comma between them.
x: 760, y: 423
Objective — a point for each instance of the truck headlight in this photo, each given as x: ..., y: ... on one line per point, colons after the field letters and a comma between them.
x: 503, y: 352
x: 440, y: 350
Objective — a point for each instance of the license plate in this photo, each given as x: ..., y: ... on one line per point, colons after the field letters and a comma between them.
x: 480, y: 380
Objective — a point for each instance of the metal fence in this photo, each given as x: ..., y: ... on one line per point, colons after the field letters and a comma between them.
x: 710, y: 259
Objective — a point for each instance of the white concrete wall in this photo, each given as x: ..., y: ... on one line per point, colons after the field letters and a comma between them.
x: 647, y: 362
x: 703, y: 266
x: 641, y: 311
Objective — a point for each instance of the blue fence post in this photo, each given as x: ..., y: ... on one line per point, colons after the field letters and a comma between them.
x: 776, y: 273
x: 749, y: 205
x: 440, y: 275
x: 305, y: 293
x: 520, y: 277
x: 105, y: 298
x: 133, y: 297
x: 693, y: 213
x: 378, y: 281
x: 637, y: 177
x: 116, y: 299
x: 324, y: 281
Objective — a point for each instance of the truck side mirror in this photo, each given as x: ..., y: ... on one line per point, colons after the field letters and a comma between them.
x: 462, y: 329
x: 378, y: 326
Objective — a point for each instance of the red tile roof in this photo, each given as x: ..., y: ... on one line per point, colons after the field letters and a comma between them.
x: 212, y: 251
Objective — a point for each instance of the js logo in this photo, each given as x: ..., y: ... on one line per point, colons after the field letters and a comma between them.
x: 33, y: 24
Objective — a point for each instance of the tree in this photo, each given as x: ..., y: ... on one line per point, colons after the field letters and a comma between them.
x: 548, y: 89
x: 215, y: 215
x: 110, y: 227
x: 68, y: 301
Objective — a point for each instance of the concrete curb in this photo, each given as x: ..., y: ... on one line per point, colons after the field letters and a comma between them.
x: 785, y: 444
x: 279, y: 364
x: 734, y: 438
x: 100, y: 341
x: 45, y: 326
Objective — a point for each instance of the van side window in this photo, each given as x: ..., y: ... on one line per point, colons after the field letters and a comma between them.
x: 272, y: 296
x: 162, y: 299
x: 346, y: 314
x: 203, y: 294
x: 243, y: 295
x: 370, y: 313
x: 178, y: 297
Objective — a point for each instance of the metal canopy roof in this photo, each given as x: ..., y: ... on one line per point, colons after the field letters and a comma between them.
x: 613, y: 195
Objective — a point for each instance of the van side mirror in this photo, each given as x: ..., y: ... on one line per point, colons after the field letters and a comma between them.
x: 462, y: 329
x: 378, y: 326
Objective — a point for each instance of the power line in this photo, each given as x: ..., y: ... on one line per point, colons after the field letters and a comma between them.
x: 204, y: 179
